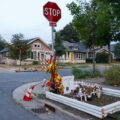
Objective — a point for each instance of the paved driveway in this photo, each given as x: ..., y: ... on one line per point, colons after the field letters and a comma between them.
x: 8, y: 82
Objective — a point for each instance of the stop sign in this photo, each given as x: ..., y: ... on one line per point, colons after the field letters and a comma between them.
x: 52, y: 12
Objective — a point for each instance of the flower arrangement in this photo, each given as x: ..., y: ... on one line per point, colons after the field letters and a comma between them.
x: 86, y: 92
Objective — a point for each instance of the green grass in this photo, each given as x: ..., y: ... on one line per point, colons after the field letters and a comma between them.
x: 41, y: 96
x: 70, y: 65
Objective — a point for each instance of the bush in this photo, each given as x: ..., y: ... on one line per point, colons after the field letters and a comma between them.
x: 112, y: 75
x: 35, y: 63
x: 79, y: 74
x: 102, y: 57
x: 25, y: 68
x: 89, y: 60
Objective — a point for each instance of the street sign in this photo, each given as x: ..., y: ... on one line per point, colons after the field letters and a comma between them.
x: 52, y: 24
x: 20, y: 49
x: 52, y: 12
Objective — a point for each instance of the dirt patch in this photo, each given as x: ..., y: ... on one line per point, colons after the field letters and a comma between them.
x: 102, y: 101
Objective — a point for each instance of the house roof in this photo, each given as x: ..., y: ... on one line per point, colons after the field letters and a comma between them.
x: 37, y: 38
x: 82, y: 48
x: 4, y: 50
x: 80, y: 45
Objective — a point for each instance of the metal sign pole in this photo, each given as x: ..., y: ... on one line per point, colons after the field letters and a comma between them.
x: 53, y: 40
x: 20, y: 58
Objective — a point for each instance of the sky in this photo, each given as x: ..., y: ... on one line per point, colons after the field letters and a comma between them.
x: 26, y: 17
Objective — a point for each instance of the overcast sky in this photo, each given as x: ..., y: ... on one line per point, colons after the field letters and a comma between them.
x: 26, y: 16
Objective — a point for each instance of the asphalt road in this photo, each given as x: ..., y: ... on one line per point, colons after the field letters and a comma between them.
x: 11, y: 80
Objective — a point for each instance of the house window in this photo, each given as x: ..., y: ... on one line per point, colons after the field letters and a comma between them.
x: 68, y: 54
x: 31, y: 55
x: 38, y: 55
x: 35, y: 45
x: 75, y: 48
x: 79, y: 56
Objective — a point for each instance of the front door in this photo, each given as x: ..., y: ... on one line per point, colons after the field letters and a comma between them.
x: 72, y: 56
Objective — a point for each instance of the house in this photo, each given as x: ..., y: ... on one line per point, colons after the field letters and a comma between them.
x: 4, y: 53
x: 75, y: 52
x: 112, y: 47
x: 39, y: 50
x: 97, y: 50
x: 78, y: 52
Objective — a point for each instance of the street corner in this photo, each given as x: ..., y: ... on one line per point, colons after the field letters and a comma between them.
x: 19, y: 93
x: 38, y: 106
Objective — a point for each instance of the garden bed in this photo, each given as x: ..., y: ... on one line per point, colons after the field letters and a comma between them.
x: 98, y: 111
x: 104, y: 100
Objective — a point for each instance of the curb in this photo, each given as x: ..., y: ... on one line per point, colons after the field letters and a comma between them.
x: 22, y: 89
x: 60, y: 109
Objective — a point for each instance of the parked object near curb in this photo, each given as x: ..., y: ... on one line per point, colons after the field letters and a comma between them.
x: 27, y: 96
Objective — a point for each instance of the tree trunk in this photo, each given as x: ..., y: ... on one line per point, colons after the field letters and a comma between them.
x: 94, y: 63
x: 109, y: 61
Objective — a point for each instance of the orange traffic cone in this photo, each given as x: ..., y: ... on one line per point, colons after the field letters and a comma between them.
x: 27, y: 96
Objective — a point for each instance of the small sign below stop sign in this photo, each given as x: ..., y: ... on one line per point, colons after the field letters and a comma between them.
x: 52, y: 12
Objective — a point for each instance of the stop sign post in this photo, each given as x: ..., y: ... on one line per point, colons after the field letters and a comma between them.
x: 52, y: 12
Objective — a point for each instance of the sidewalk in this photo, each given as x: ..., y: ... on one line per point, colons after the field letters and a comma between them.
x: 59, y: 114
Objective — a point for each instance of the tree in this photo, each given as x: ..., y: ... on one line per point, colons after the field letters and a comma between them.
x: 3, y: 43
x: 117, y: 50
x: 14, y: 48
x: 114, y: 7
x: 59, y: 48
x: 69, y: 33
x: 84, y: 20
x: 96, y: 22
x: 108, y: 23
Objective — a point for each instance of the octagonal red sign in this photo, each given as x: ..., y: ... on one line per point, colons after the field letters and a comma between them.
x: 52, y: 12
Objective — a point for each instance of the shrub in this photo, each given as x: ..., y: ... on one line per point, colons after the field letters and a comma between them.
x: 97, y: 73
x: 85, y: 74
x: 102, y: 57
x: 112, y: 75
x: 78, y: 73
x: 89, y: 60
x: 35, y: 63
x: 25, y: 68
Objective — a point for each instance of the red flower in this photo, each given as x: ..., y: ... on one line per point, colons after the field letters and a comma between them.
x: 101, y: 88
x: 80, y: 85
x: 48, y: 84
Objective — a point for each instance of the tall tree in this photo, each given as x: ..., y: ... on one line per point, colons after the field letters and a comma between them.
x: 59, y: 48
x: 108, y: 23
x: 97, y: 22
x: 3, y: 43
x: 69, y: 33
x: 114, y: 6
x: 84, y: 20
x: 17, y: 43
